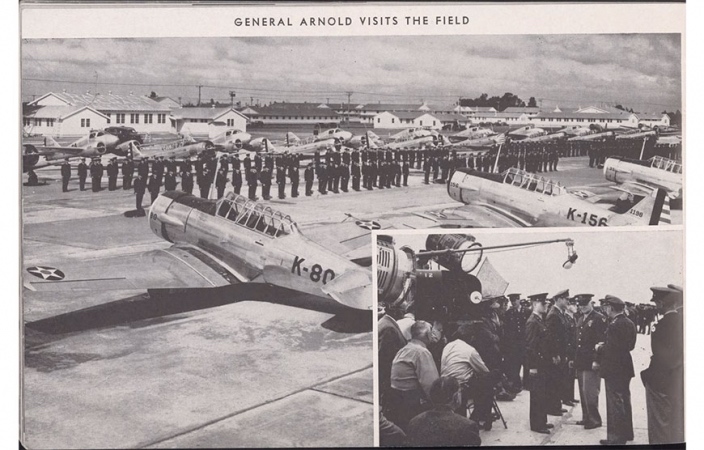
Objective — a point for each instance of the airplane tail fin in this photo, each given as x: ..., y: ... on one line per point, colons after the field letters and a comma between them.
x: 292, y: 138
x: 51, y: 142
x: 652, y: 210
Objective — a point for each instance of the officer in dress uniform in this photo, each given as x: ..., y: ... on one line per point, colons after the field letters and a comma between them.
x: 153, y: 185
x: 616, y: 368
x: 558, y: 332
x: 344, y: 176
x: 591, y: 329
x: 65, y: 175
x: 140, y: 187
x: 82, y: 174
x: 664, y: 377
x: 265, y: 179
x: 113, y: 172
x: 356, y: 175
x: 187, y: 180
x: 322, y: 179
x: 281, y: 181
x: 294, y: 175
x: 538, y: 363
x: 221, y: 182
x: 158, y: 169
x: 170, y: 165
x: 568, y: 397
x: 170, y: 182
x: 96, y: 175
x: 143, y: 168
x: 127, y: 173
x: 309, y: 177
x: 406, y: 170
x: 237, y: 180
x: 514, y: 342
x: 252, y: 178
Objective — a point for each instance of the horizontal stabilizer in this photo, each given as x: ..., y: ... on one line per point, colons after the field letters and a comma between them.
x: 352, y: 289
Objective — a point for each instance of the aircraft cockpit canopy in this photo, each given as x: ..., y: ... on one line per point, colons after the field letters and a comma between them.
x: 658, y: 162
x: 532, y: 182
x: 255, y: 216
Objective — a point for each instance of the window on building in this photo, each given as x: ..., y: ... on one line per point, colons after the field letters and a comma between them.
x: 108, y: 115
x: 85, y: 123
x: 161, y: 118
x: 378, y: 120
x: 49, y: 122
x: 27, y: 121
x: 37, y: 122
x: 230, y: 122
x: 134, y: 118
x: 148, y: 118
x: 421, y: 123
x: 393, y: 120
x: 433, y: 123
x: 119, y: 118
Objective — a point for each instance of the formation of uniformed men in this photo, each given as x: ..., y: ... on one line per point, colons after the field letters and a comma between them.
x: 555, y: 342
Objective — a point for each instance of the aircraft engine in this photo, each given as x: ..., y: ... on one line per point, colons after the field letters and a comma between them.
x: 238, y: 144
x: 395, y: 268
x: 91, y: 151
x: 465, y: 262
x: 30, y: 157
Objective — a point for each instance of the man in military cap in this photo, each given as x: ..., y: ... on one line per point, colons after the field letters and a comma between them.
x: 140, y: 187
x: 82, y: 174
x: 265, y: 179
x: 96, y: 174
x: 571, y: 314
x: 514, y: 342
x: 616, y: 368
x: 221, y: 182
x: 113, y: 171
x: 294, y: 176
x: 558, y: 342
x: 591, y: 329
x: 538, y: 363
x: 65, y: 175
x: 237, y: 179
x: 323, y: 179
x: 127, y: 173
x: 187, y: 180
x: 153, y: 185
x: 664, y: 378
x: 281, y: 181
x: 170, y: 182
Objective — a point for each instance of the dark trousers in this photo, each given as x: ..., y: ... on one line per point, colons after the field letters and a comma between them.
x: 619, y: 418
x: 282, y: 190
x: 665, y: 416
x: 82, y: 183
x: 154, y: 195
x: 480, y: 389
x: 427, y: 178
x: 204, y: 190
x: 513, y: 361
x: 294, y: 189
x: 355, y: 183
x: 309, y: 188
x: 252, y: 191
x: 238, y: 188
x: 96, y: 184
x: 589, y: 389
x: 405, y: 179
x: 555, y: 387
x: 538, y: 412
x: 266, y: 191
x: 221, y: 191
x: 126, y: 182
x: 64, y: 184
x: 568, y: 385
x: 322, y: 185
x: 140, y: 197
x: 405, y: 405
x: 112, y: 183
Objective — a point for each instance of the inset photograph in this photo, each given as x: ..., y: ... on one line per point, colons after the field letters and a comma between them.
x: 503, y: 338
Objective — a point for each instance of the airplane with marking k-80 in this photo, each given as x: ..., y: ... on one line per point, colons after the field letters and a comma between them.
x: 224, y: 251
x: 526, y: 199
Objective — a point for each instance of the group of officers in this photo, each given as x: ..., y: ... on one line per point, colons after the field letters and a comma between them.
x: 554, y: 341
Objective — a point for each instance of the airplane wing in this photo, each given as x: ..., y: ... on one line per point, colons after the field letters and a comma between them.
x: 52, y: 150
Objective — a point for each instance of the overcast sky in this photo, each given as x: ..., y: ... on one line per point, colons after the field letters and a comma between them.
x: 621, y: 263
x: 642, y: 71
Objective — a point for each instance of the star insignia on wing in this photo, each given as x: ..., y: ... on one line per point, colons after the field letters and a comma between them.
x: 46, y: 273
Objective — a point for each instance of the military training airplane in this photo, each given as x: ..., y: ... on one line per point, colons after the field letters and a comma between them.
x: 95, y: 143
x: 231, y: 140
x: 527, y: 199
x: 333, y: 133
x: 224, y: 251
x: 409, y: 134
x: 485, y: 143
x: 471, y: 133
x: 182, y: 148
x: 642, y: 177
x: 528, y: 131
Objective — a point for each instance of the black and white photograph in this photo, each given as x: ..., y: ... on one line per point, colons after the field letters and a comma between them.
x: 530, y: 338
x: 205, y: 193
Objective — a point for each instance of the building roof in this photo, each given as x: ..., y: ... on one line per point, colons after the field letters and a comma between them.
x: 577, y: 115
x: 450, y: 117
x: 107, y: 102
x: 56, y: 111
x: 509, y: 114
x: 650, y: 116
x: 202, y: 113
x: 391, y: 107
x: 442, y: 107
x: 522, y: 109
x: 343, y: 106
x: 295, y: 109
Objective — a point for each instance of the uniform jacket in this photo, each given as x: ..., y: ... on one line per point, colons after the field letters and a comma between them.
x: 591, y: 329
x: 667, y: 363
x: 536, y: 343
x: 514, y: 328
x: 558, y: 333
x: 140, y: 185
x: 615, y: 356
x: 82, y: 170
x: 65, y: 170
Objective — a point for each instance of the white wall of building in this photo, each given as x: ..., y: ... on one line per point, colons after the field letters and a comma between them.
x: 81, y: 123
x: 142, y: 121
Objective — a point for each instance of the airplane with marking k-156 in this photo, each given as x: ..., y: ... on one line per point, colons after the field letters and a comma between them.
x: 526, y: 199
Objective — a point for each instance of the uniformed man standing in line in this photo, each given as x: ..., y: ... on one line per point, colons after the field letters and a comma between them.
x: 281, y: 181
x: 406, y: 171
x: 344, y: 177
x: 616, y: 368
x: 514, y: 343
x: 322, y: 179
x: 140, y: 186
x: 153, y: 185
x: 568, y: 397
x: 426, y: 171
x: 96, y: 174
x: 158, y: 169
x: 170, y: 182
x: 113, y: 172
x: 335, y: 178
x: 356, y: 175
x: 294, y: 175
x: 221, y: 182
x: 127, y: 173
x: 65, y: 175
x: 252, y: 179
x: 143, y: 168
x: 187, y: 180
x: 309, y: 176
x: 537, y: 363
x: 204, y: 183
x: 82, y: 174
x: 237, y: 180
x: 664, y: 378
x: 591, y: 329
x: 558, y: 335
